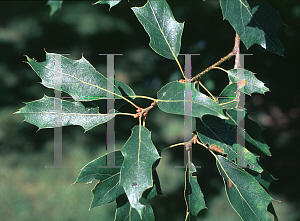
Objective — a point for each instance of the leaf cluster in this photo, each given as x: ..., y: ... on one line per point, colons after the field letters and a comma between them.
x: 133, y: 180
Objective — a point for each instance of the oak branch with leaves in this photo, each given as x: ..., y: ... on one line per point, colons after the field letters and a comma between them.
x: 133, y: 182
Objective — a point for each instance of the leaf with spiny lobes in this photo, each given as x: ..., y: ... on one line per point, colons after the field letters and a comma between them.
x: 125, y: 212
x: 108, y: 188
x: 193, y: 194
x: 124, y: 209
x: 245, y: 194
x: 78, y: 78
x: 171, y: 99
x: 255, y: 22
x: 136, y: 174
x: 164, y: 31
x: 213, y: 131
x: 42, y: 113
x: 249, y: 83
x: 111, y: 3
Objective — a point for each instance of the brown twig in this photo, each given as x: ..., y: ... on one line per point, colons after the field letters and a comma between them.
x: 188, y: 145
x: 235, y: 51
x: 144, y: 111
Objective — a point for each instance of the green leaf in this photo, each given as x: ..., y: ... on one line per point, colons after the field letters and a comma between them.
x: 155, y: 190
x: 79, y: 78
x: 126, y: 92
x: 255, y: 24
x: 54, y: 6
x: 213, y: 131
x: 265, y: 179
x: 253, y: 136
x: 108, y: 188
x: 171, y: 100
x: 251, y: 132
x: 164, y: 31
x: 111, y: 3
x: 125, y: 212
x: 247, y: 78
x: 136, y: 174
x: 42, y: 114
x: 190, y: 217
x: 244, y: 193
x: 193, y: 194
x: 228, y: 98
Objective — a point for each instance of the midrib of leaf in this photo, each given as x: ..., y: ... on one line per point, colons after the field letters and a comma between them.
x: 193, y: 102
x: 236, y: 189
x: 161, y: 29
x: 140, y: 140
x: 65, y: 113
x: 166, y: 40
x: 93, y: 85
x: 110, y: 188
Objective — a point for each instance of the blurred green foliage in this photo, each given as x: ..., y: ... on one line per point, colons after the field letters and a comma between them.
x: 28, y: 191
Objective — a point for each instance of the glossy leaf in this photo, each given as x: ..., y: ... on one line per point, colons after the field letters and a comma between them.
x: 136, y: 175
x: 252, y: 84
x: 54, y: 6
x: 111, y: 3
x: 244, y: 193
x: 126, y: 92
x: 265, y: 179
x: 228, y: 97
x: 255, y: 22
x: 79, y: 78
x: 171, y: 100
x: 213, y: 131
x: 108, y: 188
x: 42, y: 114
x: 125, y: 212
x: 164, y: 31
x: 251, y: 132
x: 193, y: 194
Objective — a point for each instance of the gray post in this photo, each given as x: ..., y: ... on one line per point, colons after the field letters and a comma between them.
x: 188, y: 129
x: 58, y: 118
x: 110, y: 133
x: 240, y: 118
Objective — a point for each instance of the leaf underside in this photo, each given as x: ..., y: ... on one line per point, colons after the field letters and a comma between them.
x: 78, y: 78
x: 50, y: 112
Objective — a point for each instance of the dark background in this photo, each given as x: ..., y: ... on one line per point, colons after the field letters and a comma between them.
x: 28, y: 191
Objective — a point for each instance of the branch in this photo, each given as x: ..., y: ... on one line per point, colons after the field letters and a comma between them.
x: 235, y: 51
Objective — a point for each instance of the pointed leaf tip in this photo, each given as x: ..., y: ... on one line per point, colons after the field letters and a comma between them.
x: 164, y: 31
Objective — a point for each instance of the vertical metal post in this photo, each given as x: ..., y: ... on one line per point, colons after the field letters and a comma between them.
x: 188, y: 96
x: 58, y: 113
x: 110, y: 133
